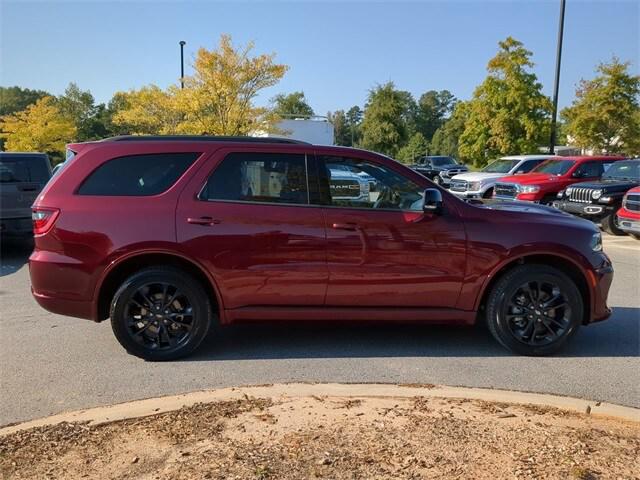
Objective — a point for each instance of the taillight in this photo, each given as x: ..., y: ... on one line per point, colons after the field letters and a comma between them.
x: 43, y: 219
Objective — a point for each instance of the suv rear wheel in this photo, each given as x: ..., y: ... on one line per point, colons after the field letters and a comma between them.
x: 160, y: 313
x: 534, y: 310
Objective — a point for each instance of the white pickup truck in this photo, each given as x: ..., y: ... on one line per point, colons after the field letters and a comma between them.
x: 480, y: 184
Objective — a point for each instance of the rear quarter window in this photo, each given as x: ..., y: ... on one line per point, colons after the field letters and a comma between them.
x: 24, y: 169
x: 137, y: 175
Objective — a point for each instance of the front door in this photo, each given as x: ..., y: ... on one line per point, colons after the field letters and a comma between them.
x: 382, y: 249
x: 247, y: 217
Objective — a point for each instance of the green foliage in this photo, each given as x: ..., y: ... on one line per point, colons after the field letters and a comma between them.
x: 217, y: 100
x: 346, y: 126
x: 41, y: 127
x: 388, y: 119
x: 605, y: 116
x: 446, y: 138
x: 508, y: 113
x: 79, y: 106
x: 416, y: 147
x: 432, y: 110
x: 293, y: 104
x: 16, y: 99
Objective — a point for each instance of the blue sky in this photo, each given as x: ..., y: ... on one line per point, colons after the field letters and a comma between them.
x: 336, y: 51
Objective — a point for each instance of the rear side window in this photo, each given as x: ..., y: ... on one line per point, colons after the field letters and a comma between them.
x: 137, y: 175
x: 22, y: 168
x: 259, y: 177
x: 529, y: 165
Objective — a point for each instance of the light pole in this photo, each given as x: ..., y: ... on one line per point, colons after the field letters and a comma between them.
x: 182, y: 44
x: 554, y: 114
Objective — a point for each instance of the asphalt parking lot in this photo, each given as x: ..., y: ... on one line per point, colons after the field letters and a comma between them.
x: 51, y: 363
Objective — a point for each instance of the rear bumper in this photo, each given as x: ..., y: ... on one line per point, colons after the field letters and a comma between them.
x: 16, y: 227
x: 64, y: 306
x: 62, y: 284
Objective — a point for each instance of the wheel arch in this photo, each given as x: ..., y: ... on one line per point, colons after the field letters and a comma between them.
x: 564, y: 264
x: 128, y: 265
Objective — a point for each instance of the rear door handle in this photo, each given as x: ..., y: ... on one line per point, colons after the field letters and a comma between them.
x: 203, y: 221
x: 352, y: 227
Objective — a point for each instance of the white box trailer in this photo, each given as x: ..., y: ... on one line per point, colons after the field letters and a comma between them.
x: 316, y: 130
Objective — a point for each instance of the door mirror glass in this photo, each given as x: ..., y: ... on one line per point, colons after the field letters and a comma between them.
x: 432, y: 201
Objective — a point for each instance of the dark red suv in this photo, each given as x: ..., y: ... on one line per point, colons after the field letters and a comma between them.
x: 172, y: 236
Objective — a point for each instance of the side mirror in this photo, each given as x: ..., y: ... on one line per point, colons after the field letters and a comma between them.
x: 432, y: 201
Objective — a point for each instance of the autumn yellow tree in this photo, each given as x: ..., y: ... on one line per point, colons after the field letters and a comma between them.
x: 218, y: 99
x: 41, y: 127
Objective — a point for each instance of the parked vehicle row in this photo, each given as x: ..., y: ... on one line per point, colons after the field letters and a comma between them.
x: 592, y: 187
x: 169, y: 237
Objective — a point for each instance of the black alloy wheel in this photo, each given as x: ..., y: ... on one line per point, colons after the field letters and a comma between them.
x: 161, y: 313
x: 534, y: 309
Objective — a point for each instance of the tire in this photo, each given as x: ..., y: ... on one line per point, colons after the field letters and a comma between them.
x: 170, y: 332
x: 609, y: 224
x: 635, y: 235
x: 510, y: 328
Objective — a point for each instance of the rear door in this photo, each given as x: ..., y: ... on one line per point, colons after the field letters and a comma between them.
x: 247, y: 217
x: 22, y: 177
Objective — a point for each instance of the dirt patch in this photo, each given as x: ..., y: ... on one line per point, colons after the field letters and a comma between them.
x: 332, y: 437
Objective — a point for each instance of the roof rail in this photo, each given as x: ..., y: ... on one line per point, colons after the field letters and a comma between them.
x: 201, y: 138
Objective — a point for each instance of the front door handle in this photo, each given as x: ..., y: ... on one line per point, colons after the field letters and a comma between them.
x: 352, y: 227
x: 203, y: 221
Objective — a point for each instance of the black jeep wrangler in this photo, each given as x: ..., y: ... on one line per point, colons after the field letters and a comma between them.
x: 599, y: 201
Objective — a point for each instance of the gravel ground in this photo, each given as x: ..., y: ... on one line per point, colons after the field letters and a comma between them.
x: 333, y: 437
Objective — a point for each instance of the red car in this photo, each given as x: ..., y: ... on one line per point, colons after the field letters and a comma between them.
x: 172, y: 236
x: 629, y: 214
x: 544, y: 182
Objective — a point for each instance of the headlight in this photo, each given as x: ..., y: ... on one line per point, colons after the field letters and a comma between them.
x: 596, y: 242
x: 529, y: 189
x: 596, y: 194
x: 568, y: 191
x: 561, y: 194
x: 474, y: 186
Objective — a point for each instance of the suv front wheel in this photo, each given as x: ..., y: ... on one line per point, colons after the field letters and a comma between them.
x: 160, y: 313
x: 534, y: 310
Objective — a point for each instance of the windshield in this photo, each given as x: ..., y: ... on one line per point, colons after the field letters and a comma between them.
x: 500, y: 166
x: 624, y: 171
x: 554, y: 167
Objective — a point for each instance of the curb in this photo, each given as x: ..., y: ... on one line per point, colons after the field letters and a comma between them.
x: 158, y: 405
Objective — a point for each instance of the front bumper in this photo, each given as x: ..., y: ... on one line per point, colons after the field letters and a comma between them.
x: 628, y: 224
x: 590, y: 210
x: 467, y: 194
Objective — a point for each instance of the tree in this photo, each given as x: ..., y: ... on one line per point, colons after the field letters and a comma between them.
x: 41, y: 127
x: 432, y: 110
x: 416, y: 147
x: 341, y: 133
x: 16, y: 99
x: 387, y: 119
x: 217, y: 99
x: 446, y: 138
x: 79, y: 106
x: 293, y: 104
x: 605, y: 116
x: 508, y: 113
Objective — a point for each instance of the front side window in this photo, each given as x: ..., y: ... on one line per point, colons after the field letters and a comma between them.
x: 355, y: 183
x: 259, y: 177
x: 137, y: 175
x: 589, y: 170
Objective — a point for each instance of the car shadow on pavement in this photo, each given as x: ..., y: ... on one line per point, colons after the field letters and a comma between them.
x: 13, y: 255
x: 617, y: 337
